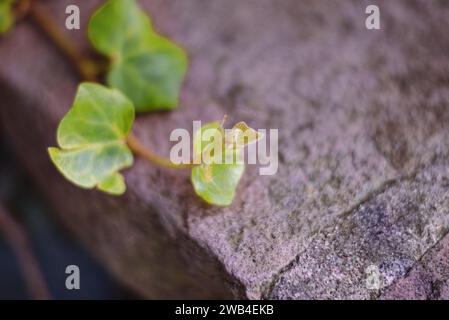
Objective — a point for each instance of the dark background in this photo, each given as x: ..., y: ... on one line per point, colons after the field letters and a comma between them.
x: 51, y: 244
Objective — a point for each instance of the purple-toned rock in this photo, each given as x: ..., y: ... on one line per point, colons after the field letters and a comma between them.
x: 428, y: 279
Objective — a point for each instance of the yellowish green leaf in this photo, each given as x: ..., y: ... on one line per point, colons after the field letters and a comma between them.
x: 92, y: 139
x: 6, y: 15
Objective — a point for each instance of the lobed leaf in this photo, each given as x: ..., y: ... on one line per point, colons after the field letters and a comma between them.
x: 145, y: 66
x: 216, y: 183
x: 204, y: 138
x: 216, y: 179
x: 92, y: 139
x: 241, y: 135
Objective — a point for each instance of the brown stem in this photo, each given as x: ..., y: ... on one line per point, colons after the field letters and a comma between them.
x: 86, y: 68
x: 16, y: 237
x: 21, y: 9
x: 138, y: 148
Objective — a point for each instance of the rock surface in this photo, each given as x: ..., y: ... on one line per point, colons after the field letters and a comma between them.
x: 428, y: 279
x: 363, y: 144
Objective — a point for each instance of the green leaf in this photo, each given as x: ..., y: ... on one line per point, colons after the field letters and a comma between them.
x: 203, y: 139
x: 216, y: 183
x: 6, y: 15
x: 215, y: 180
x: 115, y: 184
x: 241, y: 135
x: 92, y: 139
x: 145, y: 66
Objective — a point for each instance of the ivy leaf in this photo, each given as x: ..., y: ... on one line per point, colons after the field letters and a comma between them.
x: 215, y: 181
x: 205, y: 139
x: 145, y: 66
x: 92, y: 139
x: 6, y: 15
x: 241, y: 135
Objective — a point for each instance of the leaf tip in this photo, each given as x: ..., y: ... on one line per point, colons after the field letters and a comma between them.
x: 114, y: 185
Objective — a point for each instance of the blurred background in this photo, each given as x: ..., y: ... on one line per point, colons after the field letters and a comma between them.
x: 50, y: 244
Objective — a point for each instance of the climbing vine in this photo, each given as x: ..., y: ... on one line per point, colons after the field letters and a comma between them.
x: 144, y: 73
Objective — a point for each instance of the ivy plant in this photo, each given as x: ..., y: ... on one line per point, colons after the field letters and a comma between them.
x: 146, y: 71
x: 216, y: 179
x: 93, y: 139
x: 145, y: 66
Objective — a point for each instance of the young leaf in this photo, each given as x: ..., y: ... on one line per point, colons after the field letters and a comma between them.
x: 6, y: 15
x: 216, y: 183
x: 241, y: 135
x: 205, y: 139
x: 216, y: 179
x: 146, y: 67
x: 92, y: 139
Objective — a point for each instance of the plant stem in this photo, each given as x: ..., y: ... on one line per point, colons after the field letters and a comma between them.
x: 138, y: 148
x: 16, y: 237
x: 21, y: 9
x: 86, y: 68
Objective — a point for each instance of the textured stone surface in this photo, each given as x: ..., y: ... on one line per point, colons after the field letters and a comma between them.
x: 389, y: 232
x: 363, y: 129
x: 428, y: 279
